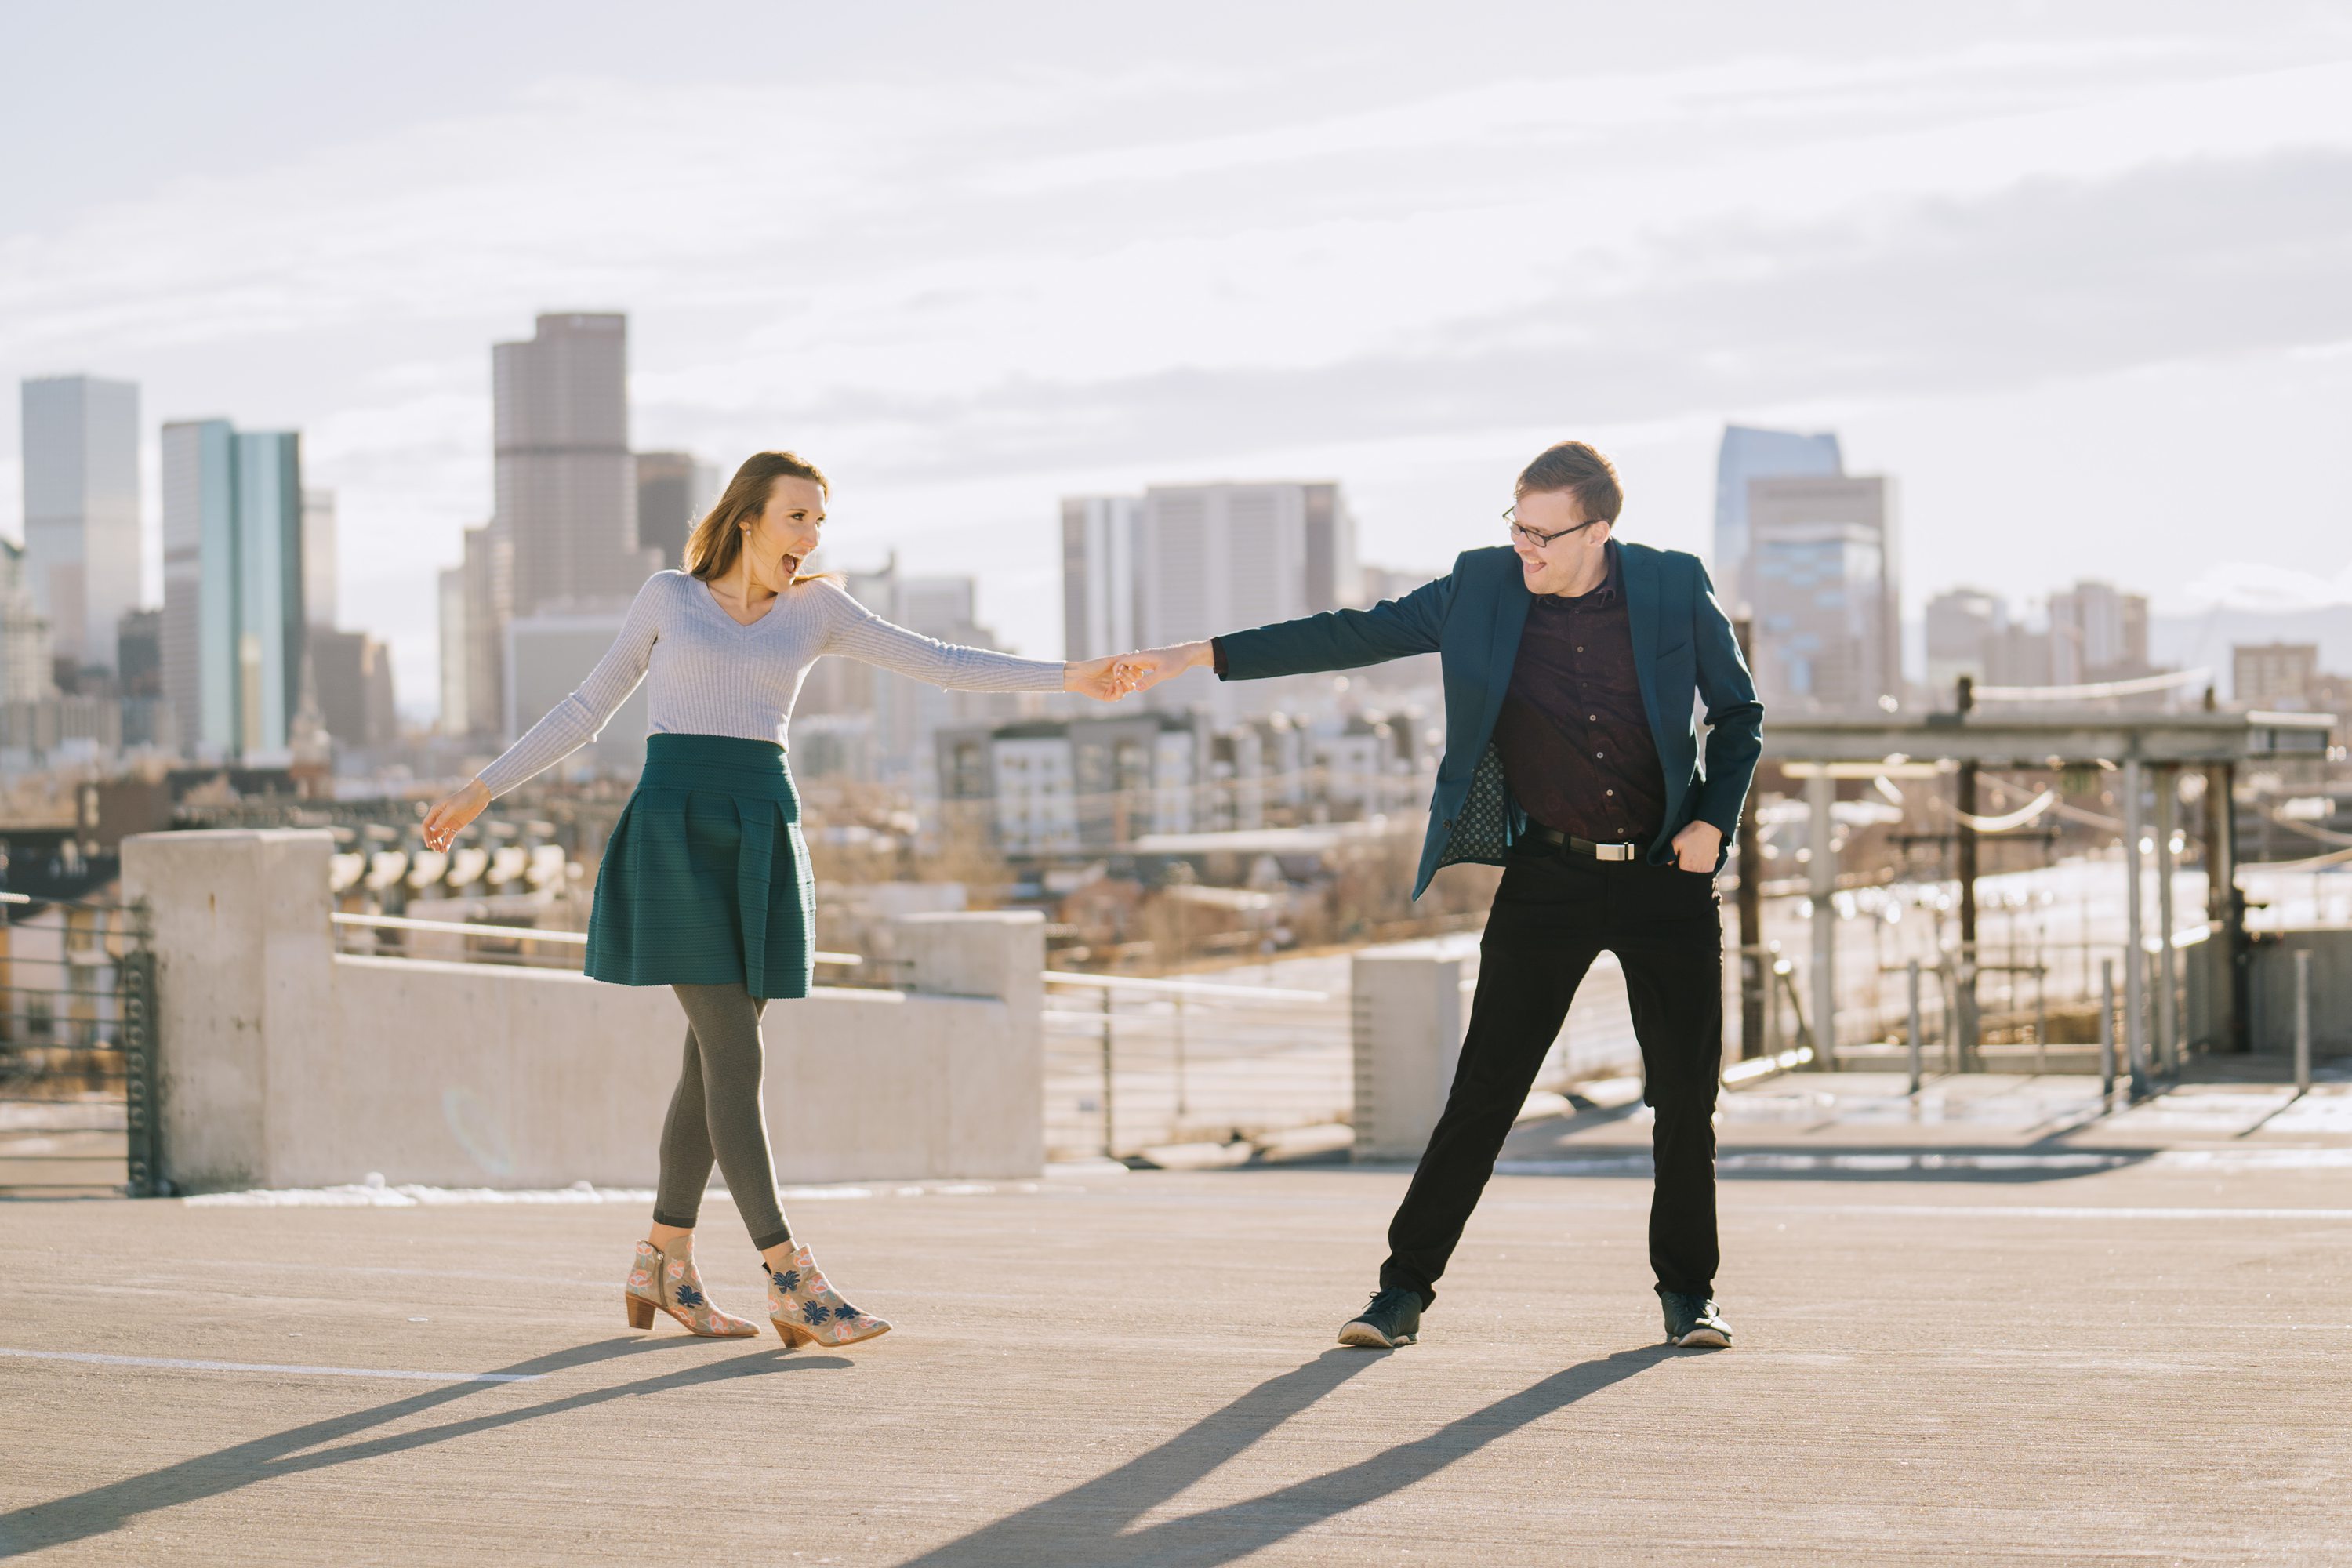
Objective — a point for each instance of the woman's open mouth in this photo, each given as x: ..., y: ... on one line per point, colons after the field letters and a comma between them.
x: 792, y: 565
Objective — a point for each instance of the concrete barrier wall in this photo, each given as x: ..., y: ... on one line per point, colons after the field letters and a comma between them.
x: 1408, y: 1015
x: 2270, y: 992
x: 286, y: 1065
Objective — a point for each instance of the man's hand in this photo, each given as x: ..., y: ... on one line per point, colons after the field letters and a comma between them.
x: 1696, y: 846
x: 1153, y: 666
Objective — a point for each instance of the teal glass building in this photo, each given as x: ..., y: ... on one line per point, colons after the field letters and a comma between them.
x: 233, y: 635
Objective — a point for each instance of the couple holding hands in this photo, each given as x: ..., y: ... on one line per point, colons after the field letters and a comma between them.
x: 1573, y: 664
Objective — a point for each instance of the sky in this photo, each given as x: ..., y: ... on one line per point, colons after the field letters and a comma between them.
x: 2074, y: 275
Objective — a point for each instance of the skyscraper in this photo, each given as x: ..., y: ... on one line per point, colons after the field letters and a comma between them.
x: 1748, y: 454
x: 567, y: 490
x: 2097, y: 632
x: 318, y: 558
x: 352, y: 673
x: 81, y: 509
x: 1189, y: 561
x: 23, y: 634
x: 234, y: 636
x: 1964, y: 625
x: 473, y: 638
x: 1213, y: 557
x: 1822, y: 580
x: 1098, y: 582
x: 674, y: 491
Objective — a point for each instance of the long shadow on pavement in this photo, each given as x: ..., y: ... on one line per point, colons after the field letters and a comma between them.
x: 1084, y: 1524
x: 281, y: 1454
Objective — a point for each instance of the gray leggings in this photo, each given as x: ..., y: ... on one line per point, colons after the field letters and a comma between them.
x: 716, y: 1115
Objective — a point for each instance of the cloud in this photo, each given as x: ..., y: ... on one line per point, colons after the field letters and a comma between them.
x: 2050, y: 280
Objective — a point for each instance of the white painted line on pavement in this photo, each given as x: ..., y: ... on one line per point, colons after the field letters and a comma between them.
x: 1875, y: 1161
x: 2043, y: 1211
x: 177, y: 1364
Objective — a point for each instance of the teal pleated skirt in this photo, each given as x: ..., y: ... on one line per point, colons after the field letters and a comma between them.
x: 705, y: 878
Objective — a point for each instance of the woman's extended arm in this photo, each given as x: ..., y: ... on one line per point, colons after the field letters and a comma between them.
x: 568, y: 726
x: 856, y: 632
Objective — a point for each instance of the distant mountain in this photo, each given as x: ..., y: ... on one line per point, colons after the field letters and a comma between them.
x: 2206, y: 637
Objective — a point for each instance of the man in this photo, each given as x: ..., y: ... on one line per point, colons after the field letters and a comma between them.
x: 1572, y: 665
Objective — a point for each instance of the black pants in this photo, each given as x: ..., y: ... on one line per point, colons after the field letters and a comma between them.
x: 1554, y: 914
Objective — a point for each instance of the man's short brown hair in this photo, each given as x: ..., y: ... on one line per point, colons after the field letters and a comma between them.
x: 1584, y: 473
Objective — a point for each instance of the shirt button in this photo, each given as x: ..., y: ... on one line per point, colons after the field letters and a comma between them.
x: 1608, y: 792
x: 1600, y: 753
x: 1592, y: 718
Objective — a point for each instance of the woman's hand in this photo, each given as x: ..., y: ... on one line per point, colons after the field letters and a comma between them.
x: 449, y: 815
x: 1104, y: 679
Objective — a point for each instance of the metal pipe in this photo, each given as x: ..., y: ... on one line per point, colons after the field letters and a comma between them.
x: 2168, y: 1011
x: 2135, y: 955
x: 1182, y: 1109
x: 1110, y: 1151
x: 1821, y: 791
x: 2302, y: 1020
x: 1913, y: 978
x: 1755, y: 964
x: 2226, y: 910
x: 1964, y: 867
x: 2106, y: 1030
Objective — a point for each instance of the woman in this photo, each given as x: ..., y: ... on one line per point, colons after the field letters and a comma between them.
x: 705, y: 885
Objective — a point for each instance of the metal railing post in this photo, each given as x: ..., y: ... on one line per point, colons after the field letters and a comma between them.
x: 2169, y: 1052
x: 1182, y: 1109
x: 1913, y: 978
x: 2135, y: 933
x: 2106, y: 1029
x: 2302, y: 1020
x: 142, y: 1115
x: 1110, y: 1151
x: 1821, y: 795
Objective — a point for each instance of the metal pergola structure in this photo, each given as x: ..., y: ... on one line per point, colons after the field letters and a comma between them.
x: 2143, y: 747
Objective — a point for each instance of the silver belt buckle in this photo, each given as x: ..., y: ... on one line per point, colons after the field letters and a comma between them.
x: 1612, y: 852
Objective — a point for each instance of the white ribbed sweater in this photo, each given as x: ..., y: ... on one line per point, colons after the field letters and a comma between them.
x: 708, y: 674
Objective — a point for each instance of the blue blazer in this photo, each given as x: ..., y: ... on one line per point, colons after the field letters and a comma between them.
x: 1684, y: 651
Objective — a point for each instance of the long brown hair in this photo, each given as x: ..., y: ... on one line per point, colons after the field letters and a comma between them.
x: 717, y: 542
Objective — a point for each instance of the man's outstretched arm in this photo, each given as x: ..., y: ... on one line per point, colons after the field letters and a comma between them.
x: 1336, y: 639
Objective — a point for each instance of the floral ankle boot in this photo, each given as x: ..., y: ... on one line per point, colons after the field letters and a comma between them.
x: 807, y: 1311
x: 667, y: 1277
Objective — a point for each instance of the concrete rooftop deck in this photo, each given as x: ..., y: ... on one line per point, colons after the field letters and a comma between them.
x: 2136, y: 1361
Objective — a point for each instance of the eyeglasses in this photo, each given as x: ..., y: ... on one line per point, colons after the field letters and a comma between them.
x: 1537, y: 537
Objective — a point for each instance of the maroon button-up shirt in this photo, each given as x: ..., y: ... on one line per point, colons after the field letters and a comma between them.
x: 1574, y: 737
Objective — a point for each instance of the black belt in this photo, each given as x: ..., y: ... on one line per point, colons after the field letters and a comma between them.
x: 1558, y: 840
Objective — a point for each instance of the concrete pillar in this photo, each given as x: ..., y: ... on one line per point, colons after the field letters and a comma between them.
x: 1820, y: 792
x: 245, y: 989
x: 1408, y: 1022
x: 996, y: 1098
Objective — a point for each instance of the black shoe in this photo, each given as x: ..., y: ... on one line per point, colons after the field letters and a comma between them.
x: 1695, y: 1322
x: 1393, y: 1319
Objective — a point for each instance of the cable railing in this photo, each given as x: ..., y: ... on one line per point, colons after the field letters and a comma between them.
x: 77, y: 1048
x: 481, y: 942
x: 1131, y: 1062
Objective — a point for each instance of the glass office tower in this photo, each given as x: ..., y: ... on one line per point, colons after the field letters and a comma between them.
x: 233, y: 623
